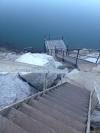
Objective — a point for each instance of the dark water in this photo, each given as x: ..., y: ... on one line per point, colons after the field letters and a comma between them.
x: 25, y: 22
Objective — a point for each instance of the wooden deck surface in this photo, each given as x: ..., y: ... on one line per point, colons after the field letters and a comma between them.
x: 82, y: 65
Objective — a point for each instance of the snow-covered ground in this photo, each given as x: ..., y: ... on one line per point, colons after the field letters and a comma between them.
x: 92, y: 57
x: 12, y: 56
x: 85, y: 79
x: 89, y: 58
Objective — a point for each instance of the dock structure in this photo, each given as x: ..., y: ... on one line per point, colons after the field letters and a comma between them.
x: 60, y: 51
x: 76, y: 62
x: 61, y: 109
x: 53, y: 45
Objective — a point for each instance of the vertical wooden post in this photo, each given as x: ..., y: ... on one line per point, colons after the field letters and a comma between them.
x: 67, y: 50
x: 77, y: 56
x: 48, y: 51
x: 55, y: 51
x: 45, y: 49
x: 51, y: 51
x: 62, y: 78
x: 62, y: 38
x: 98, y: 57
x: 63, y: 55
x: 45, y: 81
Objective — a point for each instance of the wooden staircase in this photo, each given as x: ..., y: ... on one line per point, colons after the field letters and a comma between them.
x: 63, y: 109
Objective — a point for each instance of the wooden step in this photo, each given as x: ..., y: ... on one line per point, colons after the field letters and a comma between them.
x: 66, y: 105
x: 62, y: 109
x: 72, y: 88
x: 58, y: 126
x: 74, y: 93
x: 27, y: 123
x: 6, y: 126
x: 71, y: 101
x: 58, y: 115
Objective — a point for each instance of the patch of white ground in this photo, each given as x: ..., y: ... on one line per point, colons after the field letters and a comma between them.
x: 85, y: 79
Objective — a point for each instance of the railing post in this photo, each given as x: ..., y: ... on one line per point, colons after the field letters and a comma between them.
x: 63, y: 55
x: 62, y: 78
x: 45, y: 50
x: 77, y: 56
x: 98, y: 57
x: 55, y: 51
x: 67, y: 50
x: 51, y: 51
x: 62, y: 38
x: 45, y: 81
x: 48, y: 51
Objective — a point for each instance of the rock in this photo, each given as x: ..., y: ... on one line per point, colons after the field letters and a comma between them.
x: 37, y: 59
x: 37, y: 79
x: 43, y: 61
x: 12, y: 89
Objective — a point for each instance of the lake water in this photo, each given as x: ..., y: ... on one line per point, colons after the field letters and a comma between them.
x: 26, y: 23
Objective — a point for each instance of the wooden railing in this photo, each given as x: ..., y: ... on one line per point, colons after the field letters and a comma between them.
x: 44, y: 90
x: 74, y: 53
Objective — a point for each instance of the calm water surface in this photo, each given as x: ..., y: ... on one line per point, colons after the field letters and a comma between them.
x: 26, y: 22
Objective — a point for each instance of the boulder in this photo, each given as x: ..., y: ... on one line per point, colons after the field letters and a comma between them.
x: 37, y: 79
x: 12, y: 89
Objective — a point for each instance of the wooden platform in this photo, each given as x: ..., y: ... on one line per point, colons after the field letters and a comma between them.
x: 81, y: 64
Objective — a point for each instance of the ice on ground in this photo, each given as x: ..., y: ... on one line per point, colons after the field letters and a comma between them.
x: 96, y: 69
x: 91, y: 59
x: 85, y: 79
x: 72, y: 73
x: 12, y: 56
x: 38, y: 60
x: 12, y: 89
